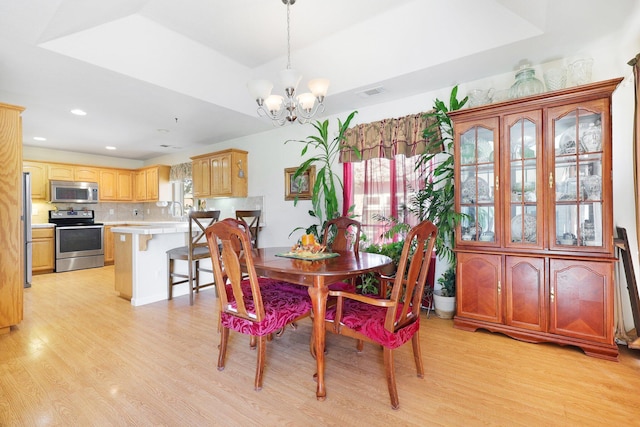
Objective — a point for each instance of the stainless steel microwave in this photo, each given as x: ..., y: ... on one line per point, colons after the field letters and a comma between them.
x: 74, y: 192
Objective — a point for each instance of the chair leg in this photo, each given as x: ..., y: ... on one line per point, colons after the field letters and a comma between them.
x: 252, y: 342
x: 190, y: 283
x: 169, y: 277
x: 391, y: 377
x: 417, y: 354
x: 197, y: 287
x: 359, y: 345
x: 224, y: 337
x: 262, y: 352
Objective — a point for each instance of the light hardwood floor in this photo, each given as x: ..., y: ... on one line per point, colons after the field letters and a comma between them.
x: 83, y: 356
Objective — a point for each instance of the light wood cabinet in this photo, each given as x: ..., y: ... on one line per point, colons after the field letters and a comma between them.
x: 109, y: 245
x: 11, y: 239
x: 218, y: 174
x: 43, y: 255
x: 116, y: 185
x: 63, y: 172
x: 124, y: 267
x: 535, y: 252
x: 39, y: 180
x: 124, y: 182
x: 152, y: 184
x: 86, y: 174
x: 201, y: 174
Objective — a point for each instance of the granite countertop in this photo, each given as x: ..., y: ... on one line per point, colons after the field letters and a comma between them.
x: 42, y: 225
x: 151, y: 228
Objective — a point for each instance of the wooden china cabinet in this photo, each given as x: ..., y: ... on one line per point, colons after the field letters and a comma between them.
x: 536, y: 255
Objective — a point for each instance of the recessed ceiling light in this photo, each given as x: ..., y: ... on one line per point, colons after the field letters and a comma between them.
x: 39, y: 138
x: 110, y: 147
x: 163, y: 130
x: 78, y: 112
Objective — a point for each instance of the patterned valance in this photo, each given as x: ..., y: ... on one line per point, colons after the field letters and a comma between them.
x: 387, y: 138
x: 180, y: 172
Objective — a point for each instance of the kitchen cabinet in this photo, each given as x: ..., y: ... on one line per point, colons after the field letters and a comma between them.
x: 152, y: 184
x: 43, y: 255
x: 201, y: 176
x: 12, y: 237
x: 63, y: 172
x: 220, y: 174
x: 535, y: 250
x: 123, y: 265
x: 39, y: 181
x: 116, y: 185
x: 109, y: 245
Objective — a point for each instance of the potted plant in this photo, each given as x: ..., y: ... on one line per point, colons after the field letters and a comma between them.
x: 444, y: 299
x: 324, y: 196
x: 392, y: 247
x: 436, y: 201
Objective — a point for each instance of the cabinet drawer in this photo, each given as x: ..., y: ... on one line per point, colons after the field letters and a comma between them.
x: 42, y: 233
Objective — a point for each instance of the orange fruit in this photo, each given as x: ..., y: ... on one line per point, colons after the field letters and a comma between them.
x: 305, y: 240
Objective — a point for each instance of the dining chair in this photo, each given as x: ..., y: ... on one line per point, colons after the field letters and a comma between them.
x: 254, y: 306
x: 252, y: 218
x: 342, y: 234
x: 195, y: 251
x: 390, y: 322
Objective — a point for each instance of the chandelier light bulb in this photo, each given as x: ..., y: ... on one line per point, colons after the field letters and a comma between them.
x: 319, y: 87
x: 290, y: 78
x: 273, y: 103
x: 306, y: 101
x: 260, y: 89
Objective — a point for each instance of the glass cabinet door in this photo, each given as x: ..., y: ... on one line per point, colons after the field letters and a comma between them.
x: 477, y: 163
x: 577, y: 178
x: 524, y: 210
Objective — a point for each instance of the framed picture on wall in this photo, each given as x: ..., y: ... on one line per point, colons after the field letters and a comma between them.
x: 300, y: 187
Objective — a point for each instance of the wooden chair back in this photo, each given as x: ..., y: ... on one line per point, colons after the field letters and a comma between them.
x: 342, y: 234
x: 411, y: 276
x: 252, y: 218
x: 228, y: 240
x: 198, y: 223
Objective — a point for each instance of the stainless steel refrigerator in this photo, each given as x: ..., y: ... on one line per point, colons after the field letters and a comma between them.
x: 26, y: 224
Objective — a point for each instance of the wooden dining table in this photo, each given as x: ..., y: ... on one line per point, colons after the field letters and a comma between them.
x: 317, y: 275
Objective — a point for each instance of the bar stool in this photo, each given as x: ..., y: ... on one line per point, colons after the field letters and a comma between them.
x: 252, y: 218
x: 196, y: 250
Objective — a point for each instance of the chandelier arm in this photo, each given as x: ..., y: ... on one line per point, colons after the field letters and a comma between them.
x: 305, y: 116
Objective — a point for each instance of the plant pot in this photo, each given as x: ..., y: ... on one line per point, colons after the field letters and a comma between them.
x: 445, y: 306
x: 389, y: 270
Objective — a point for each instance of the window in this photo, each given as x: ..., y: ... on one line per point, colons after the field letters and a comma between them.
x: 382, y: 187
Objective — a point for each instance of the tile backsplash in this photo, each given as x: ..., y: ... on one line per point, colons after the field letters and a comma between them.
x: 141, y: 211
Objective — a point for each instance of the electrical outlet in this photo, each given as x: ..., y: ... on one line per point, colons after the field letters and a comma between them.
x: 111, y: 212
x: 135, y: 212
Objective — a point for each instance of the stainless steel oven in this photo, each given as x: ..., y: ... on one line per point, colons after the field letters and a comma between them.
x: 79, y: 240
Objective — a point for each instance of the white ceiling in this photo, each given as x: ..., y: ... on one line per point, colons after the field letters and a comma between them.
x: 137, y: 66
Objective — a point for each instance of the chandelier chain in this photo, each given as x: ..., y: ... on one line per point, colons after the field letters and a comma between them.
x: 288, y: 37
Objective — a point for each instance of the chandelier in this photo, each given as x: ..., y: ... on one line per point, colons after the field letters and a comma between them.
x: 289, y: 108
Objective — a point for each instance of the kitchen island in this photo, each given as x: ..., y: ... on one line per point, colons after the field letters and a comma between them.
x: 141, y: 261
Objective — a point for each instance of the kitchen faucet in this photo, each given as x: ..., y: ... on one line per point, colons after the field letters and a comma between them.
x: 173, y: 210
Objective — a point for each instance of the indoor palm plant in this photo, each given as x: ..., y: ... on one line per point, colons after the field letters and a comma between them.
x: 328, y: 186
x: 436, y: 201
